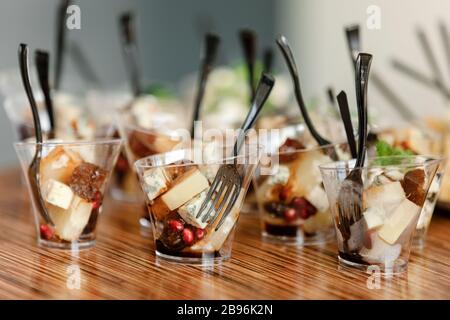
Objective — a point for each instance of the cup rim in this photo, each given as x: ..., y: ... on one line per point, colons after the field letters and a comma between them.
x: 309, y: 149
x: 141, y: 163
x: 58, y: 142
x: 428, y: 160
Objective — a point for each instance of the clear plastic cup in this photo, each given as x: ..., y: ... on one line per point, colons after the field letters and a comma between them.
x: 292, y: 202
x: 73, y: 180
x: 419, y: 140
x: 375, y: 220
x: 175, y: 185
x: 146, y: 134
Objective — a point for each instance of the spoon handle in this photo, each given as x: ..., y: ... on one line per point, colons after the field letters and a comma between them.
x: 363, y: 63
x: 248, y: 43
x: 60, y: 40
x: 289, y: 58
x: 263, y: 90
x: 23, y: 64
x: 354, y: 42
x: 129, y: 46
x: 346, y: 119
x: 209, y: 56
x: 267, y: 60
x: 33, y: 169
x: 42, y: 65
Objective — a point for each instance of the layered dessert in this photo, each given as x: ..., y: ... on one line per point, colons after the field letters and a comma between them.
x: 175, y: 191
x: 413, y: 141
x: 73, y: 188
x: 292, y: 201
x: 70, y: 189
x: 379, y: 229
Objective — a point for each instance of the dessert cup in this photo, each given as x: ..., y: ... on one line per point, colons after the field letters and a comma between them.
x: 72, y: 181
x: 416, y: 141
x: 292, y: 203
x: 377, y: 227
x: 175, y: 184
x: 145, y: 138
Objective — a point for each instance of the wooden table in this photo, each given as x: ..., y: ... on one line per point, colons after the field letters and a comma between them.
x: 123, y: 265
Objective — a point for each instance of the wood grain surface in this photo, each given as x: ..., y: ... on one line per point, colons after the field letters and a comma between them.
x: 123, y: 265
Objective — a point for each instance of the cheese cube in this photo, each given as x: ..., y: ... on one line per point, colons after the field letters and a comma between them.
x: 189, y: 211
x: 59, y: 165
x: 318, y: 199
x: 185, y: 188
x: 374, y: 217
x: 386, y: 195
x: 380, y: 252
x: 214, y: 240
x: 155, y: 182
x: 393, y: 227
x: 69, y: 224
x: 58, y: 194
x: 281, y: 176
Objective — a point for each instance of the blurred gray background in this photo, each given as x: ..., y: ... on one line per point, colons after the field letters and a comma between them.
x: 170, y: 34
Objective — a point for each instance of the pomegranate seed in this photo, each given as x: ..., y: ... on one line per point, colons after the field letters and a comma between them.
x: 188, y: 236
x: 98, y: 200
x: 298, y: 202
x: 46, y: 232
x: 290, y: 214
x: 176, y: 225
x: 303, y: 213
x: 199, y: 233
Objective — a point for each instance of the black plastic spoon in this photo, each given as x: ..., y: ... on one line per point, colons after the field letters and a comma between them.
x: 209, y: 56
x: 289, y: 58
x: 248, y: 43
x: 351, y: 192
x: 347, y: 120
x: 267, y: 60
x: 42, y: 65
x: 129, y: 46
x: 60, y: 41
x: 34, y: 168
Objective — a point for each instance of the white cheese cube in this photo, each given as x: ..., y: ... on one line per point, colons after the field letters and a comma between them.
x: 318, y: 199
x: 374, y: 217
x: 387, y: 195
x: 189, y: 211
x: 155, y: 182
x: 393, y: 227
x: 58, y: 194
x: 281, y: 175
x: 185, y: 188
x: 214, y: 240
x: 70, y: 223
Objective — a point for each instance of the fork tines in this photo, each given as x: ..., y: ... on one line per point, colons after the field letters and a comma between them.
x: 224, y: 190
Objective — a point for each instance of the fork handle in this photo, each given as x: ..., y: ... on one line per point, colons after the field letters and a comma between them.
x: 262, y: 92
x: 129, y: 46
x: 347, y: 120
x: 363, y: 63
x: 209, y: 56
x: 354, y: 42
x: 290, y: 61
